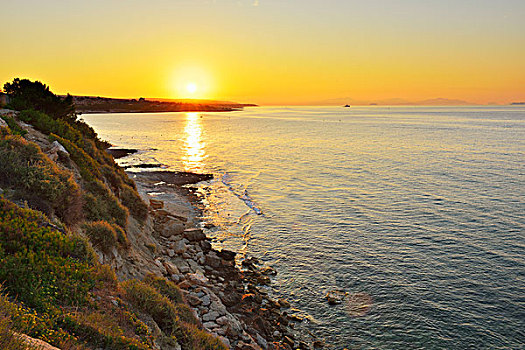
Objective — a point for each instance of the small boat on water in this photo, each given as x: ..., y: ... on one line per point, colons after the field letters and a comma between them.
x: 347, y: 106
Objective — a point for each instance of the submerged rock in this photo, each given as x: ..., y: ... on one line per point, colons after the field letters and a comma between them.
x: 335, y: 297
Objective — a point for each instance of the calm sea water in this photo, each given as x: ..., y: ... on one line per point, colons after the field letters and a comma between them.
x: 420, y: 208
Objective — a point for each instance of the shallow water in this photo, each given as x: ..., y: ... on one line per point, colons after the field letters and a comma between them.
x: 420, y: 208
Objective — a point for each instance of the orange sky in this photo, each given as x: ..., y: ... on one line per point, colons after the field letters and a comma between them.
x: 269, y: 52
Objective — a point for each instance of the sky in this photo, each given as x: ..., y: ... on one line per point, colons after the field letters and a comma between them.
x: 269, y: 52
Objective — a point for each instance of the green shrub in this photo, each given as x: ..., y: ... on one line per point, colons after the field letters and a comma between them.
x: 8, y: 340
x: 101, y: 204
x: 37, y: 179
x: 131, y: 199
x: 173, y: 319
x: 101, y: 234
x: 87, y: 166
x: 38, y: 263
x: 147, y: 299
x: 49, y: 125
x: 165, y: 287
x: 122, y: 236
x: 13, y: 125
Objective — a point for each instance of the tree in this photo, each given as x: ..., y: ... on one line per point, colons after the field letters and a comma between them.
x: 26, y: 94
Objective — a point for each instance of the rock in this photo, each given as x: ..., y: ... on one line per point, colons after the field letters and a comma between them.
x: 261, y: 341
x: 3, y: 123
x: 197, y: 278
x: 268, y: 271
x: 284, y: 303
x: 172, y: 228
x: 210, y: 325
x: 171, y: 253
x: 193, y: 300
x: 296, y: 318
x: 210, y: 316
x: 335, y: 297
x: 244, y: 346
x: 223, y: 320
x: 226, y: 342
x: 227, y: 255
x: 156, y: 204
x: 171, y: 269
x: 194, y: 234
x: 264, y: 280
x: 206, y: 300
x: 179, y: 247
x: 33, y: 343
x: 213, y: 260
x: 206, y: 246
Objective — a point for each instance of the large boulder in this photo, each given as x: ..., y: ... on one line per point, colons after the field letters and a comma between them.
x: 194, y: 235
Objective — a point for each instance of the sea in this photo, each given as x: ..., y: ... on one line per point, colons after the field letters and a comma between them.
x: 415, y: 216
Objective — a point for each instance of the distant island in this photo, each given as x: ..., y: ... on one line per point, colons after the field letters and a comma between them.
x: 92, y: 104
x: 517, y: 103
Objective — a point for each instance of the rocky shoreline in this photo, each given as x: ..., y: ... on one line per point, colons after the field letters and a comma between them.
x: 231, y: 303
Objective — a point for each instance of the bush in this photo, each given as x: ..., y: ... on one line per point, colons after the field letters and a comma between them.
x: 101, y: 204
x: 38, y: 263
x: 13, y: 125
x: 87, y: 166
x: 101, y: 234
x: 165, y: 287
x: 37, y: 179
x: 131, y: 199
x: 8, y: 340
x: 48, y: 125
x: 173, y: 319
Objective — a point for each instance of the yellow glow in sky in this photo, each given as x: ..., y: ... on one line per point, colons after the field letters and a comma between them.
x: 269, y: 52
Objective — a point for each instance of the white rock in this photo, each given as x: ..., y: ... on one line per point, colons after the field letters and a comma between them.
x: 210, y: 325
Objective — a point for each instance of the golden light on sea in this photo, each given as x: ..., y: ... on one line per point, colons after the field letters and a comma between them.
x: 193, y: 159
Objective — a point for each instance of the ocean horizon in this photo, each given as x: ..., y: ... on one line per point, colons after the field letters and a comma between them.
x: 415, y: 214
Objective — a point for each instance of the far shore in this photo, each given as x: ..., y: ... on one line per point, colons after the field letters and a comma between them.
x: 90, y: 105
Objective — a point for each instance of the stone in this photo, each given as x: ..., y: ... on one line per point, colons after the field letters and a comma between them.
x: 268, y: 271
x: 223, y: 320
x: 261, y: 341
x: 226, y: 255
x: 194, y: 234
x: 284, y: 303
x: 213, y: 260
x: 210, y: 325
x: 335, y: 297
x: 171, y: 269
x: 193, y: 300
x: 172, y: 228
x: 156, y: 204
x: 171, y: 253
x: 179, y: 247
x: 210, y: 316
x: 206, y: 300
x: 3, y: 123
x: 206, y: 246
x: 226, y: 342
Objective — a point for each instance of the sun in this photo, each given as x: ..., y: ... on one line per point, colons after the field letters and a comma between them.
x: 191, y: 88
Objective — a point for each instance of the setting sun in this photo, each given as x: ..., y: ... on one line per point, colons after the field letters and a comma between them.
x: 191, y: 88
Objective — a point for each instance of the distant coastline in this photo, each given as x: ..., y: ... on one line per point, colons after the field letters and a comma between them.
x: 92, y: 104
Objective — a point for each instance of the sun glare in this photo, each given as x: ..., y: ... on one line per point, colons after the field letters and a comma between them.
x: 191, y: 88
x: 191, y: 82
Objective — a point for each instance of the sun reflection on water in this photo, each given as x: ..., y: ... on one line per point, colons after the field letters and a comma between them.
x: 194, y: 156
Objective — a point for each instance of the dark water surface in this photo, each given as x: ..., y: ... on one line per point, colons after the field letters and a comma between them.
x: 421, y: 208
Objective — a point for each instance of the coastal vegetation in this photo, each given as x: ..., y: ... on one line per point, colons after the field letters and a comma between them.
x: 64, y: 204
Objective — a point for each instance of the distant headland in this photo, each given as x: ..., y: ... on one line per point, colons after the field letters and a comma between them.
x: 92, y: 104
